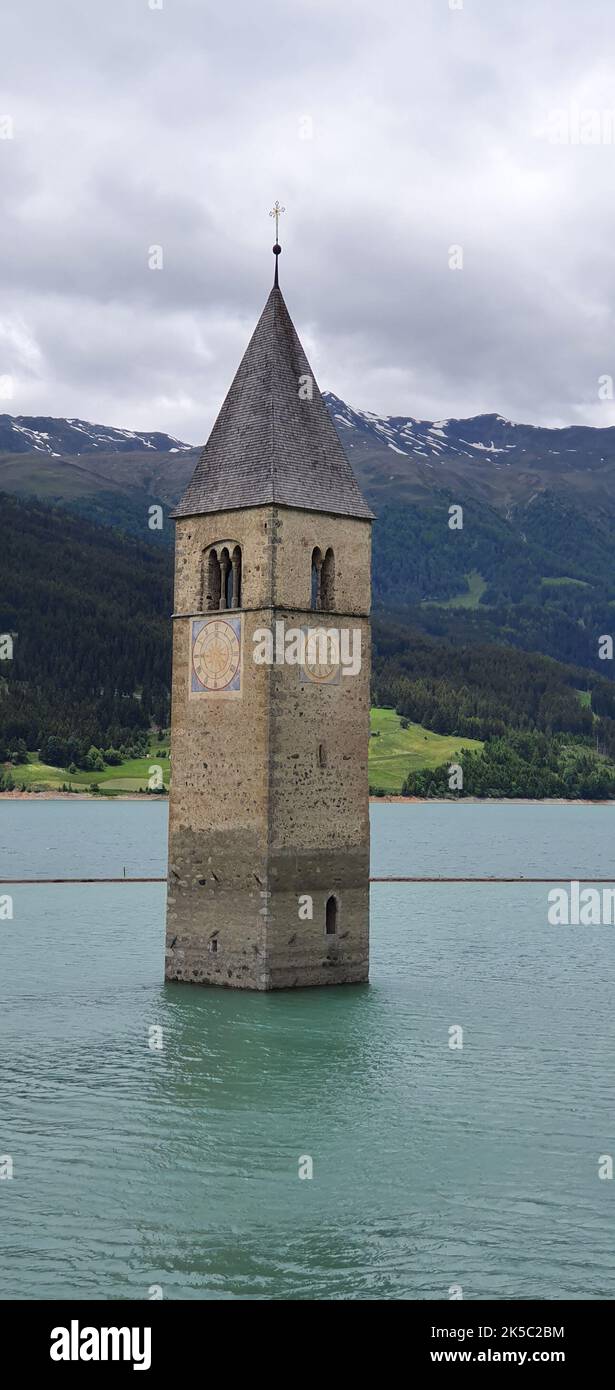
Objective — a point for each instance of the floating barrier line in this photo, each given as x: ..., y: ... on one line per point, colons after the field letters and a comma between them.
x: 9, y: 881
x: 564, y: 878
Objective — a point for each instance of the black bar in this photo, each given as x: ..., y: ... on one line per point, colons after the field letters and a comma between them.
x: 161, y: 1336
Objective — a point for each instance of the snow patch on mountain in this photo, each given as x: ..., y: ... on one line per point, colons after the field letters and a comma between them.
x: 21, y: 434
x: 487, y: 440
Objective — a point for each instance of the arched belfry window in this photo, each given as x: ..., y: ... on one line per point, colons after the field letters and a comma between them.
x: 236, y: 586
x: 323, y: 580
x: 226, y: 574
x: 211, y: 582
x: 316, y: 579
x: 327, y: 582
x: 331, y: 916
x: 221, y: 582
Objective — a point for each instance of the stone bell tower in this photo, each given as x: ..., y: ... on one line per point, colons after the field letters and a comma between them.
x: 268, y: 819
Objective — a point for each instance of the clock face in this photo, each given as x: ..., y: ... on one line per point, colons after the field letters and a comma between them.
x: 216, y: 656
x: 321, y: 672
x: 316, y: 669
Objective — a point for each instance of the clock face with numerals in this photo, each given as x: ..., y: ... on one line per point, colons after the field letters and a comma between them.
x: 321, y: 672
x: 216, y: 656
x: 316, y: 669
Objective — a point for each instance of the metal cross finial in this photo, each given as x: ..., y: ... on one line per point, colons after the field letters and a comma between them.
x: 276, y: 212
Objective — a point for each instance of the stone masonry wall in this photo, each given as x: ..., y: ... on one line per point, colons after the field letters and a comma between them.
x: 269, y: 794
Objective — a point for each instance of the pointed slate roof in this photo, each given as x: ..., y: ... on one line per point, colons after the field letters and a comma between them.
x: 268, y: 444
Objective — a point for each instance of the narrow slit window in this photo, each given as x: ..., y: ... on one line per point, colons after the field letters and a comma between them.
x: 236, y: 578
x: 316, y: 573
x: 331, y: 916
x: 327, y: 582
x: 211, y: 582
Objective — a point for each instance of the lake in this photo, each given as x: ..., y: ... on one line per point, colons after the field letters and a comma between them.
x: 432, y: 1166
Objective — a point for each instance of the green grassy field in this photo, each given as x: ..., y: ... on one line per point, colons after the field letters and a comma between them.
x: 392, y: 755
x: 395, y: 751
x: 130, y: 776
x: 557, y: 583
x: 476, y: 588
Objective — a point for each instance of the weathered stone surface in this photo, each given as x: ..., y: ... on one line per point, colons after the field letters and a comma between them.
x: 268, y: 819
x: 269, y: 792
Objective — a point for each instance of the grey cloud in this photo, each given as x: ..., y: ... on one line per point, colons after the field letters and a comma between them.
x: 179, y: 127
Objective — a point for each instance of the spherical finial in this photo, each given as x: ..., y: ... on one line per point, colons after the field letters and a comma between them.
x: 276, y: 212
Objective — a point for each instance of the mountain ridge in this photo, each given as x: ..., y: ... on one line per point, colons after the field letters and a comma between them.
x: 403, y: 434
x: 395, y: 458
x: 23, y: 434
x: 406, y: 434
x: 532, y: 565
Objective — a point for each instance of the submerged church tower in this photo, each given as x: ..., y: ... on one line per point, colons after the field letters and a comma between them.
x: 268, y: 819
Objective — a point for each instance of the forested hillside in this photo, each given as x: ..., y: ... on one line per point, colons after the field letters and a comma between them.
x: 530, y: 567
x: 89, y: 610
x: 549, y: 729
x: 522, y: 765
x: 480, y: 691
x: 541, y: 578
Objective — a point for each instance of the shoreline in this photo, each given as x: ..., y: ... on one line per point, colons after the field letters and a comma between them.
x: 76, y: 796
x: 491, y: 800
x: 389, y: 799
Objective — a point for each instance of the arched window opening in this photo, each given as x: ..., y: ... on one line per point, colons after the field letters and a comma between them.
x: 221, y: 581
x: 211, y: 582
x: 327, y: 582
x: 331, y: 916
x: 316, y: 575
x: 236, y: 589
x: 322, y: 755
x: 226, y: 575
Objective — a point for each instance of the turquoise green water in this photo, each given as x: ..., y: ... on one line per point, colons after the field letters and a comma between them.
x: 179, y: 1167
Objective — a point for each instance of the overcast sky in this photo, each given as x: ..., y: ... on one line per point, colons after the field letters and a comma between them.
x: 392, y: 130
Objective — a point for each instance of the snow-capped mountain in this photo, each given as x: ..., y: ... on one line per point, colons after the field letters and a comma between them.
x: 397, y: 459
x: 489, y: 434
x: 26, y: 434
x: 482, y: 438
